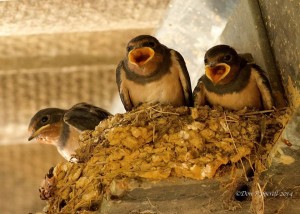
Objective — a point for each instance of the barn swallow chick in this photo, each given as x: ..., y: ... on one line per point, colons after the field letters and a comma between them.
x: 231, y: 82
x: 152, y: 73
x: 62, y: 128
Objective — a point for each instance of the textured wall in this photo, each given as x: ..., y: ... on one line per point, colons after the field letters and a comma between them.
x: 281, y: 19
x: 55, y: 16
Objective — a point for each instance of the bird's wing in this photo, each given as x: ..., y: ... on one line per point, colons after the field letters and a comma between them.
x: 247, y: 56
x: 199, y: 94
x: 185, y: 79
x: 264, y: 86
x: 84, y: 116
x: 123, y: 91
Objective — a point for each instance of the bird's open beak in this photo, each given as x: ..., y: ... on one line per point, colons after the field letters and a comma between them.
x: 140, y: 56
x: 37, y: 132
x: 217, y: 72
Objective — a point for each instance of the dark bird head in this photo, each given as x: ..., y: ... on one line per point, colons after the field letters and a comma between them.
x: 45, y: 125
x: 222, y: 64
x: 145, y: 54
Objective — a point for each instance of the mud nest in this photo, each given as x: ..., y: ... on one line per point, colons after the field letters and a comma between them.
x: 157, y: 142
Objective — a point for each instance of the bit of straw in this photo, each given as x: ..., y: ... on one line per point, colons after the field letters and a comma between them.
x: 235, y: 147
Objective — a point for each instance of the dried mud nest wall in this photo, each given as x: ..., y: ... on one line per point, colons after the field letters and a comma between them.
x: 157, y: 142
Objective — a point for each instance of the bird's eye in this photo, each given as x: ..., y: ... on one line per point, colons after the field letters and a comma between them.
x: 45, y: 119
x: 129, y: 48
x: 205, y: 61
x: 227, y: 58
x: 151, y: 44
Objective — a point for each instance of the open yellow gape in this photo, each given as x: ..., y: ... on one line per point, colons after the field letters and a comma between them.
x: 140, y: 56
x: 217, y: 72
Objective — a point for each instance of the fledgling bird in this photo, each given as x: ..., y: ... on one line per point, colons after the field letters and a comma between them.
x: 231, y: 82
x: 61, y: 128
x: 152, y: 73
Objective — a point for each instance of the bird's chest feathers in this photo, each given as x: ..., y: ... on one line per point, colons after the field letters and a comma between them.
x: 167, y: 89
x: 67, y: 148
x: 248, y: 96
x: 48, y: 139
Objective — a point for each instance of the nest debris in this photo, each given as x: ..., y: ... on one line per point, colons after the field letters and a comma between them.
x: 157, y: 142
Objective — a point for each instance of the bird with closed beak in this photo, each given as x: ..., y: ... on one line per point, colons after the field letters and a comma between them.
x: 61, y: 128
x: 152, y: 73
x: 231, y: 82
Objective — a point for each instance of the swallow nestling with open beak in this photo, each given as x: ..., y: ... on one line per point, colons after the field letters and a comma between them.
x: 231, y: 82
x: 61, y: 128
x: 153, y: 73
